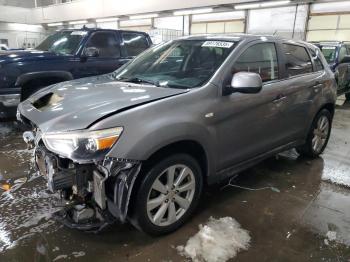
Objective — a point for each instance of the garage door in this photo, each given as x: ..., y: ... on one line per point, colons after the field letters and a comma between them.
x: 221, y: 27
x: 329, y: 27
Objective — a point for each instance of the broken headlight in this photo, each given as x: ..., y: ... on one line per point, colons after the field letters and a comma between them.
x: 82, y: 145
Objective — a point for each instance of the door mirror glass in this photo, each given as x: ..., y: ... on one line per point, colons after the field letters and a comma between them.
x: 91, y: 52
x: 345, y: 60
x: 246, y: 83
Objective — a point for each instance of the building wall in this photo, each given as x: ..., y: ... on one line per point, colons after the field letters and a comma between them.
x: 21, y: 35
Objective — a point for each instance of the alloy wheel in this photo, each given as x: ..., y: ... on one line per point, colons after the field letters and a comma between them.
x: 321, y: 133
x: 171, y: 195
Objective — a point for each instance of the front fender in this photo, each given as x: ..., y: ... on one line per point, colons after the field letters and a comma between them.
x: 141, y: 146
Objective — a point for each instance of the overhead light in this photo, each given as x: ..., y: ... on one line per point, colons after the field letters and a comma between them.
x: 247, y: 6
x: 274, y: 3
x: 193, y: 11
x: 145, y: 16
x: 78, y: 22
x: 260, y: 5
x: 111, y: 19
x: 55, y: 24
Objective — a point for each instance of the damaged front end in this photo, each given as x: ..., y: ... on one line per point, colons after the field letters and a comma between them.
x: 95, y: 193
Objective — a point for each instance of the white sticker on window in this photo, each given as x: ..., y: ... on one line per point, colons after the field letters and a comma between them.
x: 221, y: 44
x: 78, y: 33
x: 328, y: 47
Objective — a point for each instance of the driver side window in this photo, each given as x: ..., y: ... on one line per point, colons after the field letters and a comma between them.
x: 106, y: 43
x: 261, y: 59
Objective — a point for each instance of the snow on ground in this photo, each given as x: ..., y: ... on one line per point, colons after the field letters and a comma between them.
x: 217, y: 241
x: 340, y: 176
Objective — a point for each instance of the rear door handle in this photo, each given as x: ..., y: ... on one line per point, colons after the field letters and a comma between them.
x: 279, y: 98
x: 317, y: 84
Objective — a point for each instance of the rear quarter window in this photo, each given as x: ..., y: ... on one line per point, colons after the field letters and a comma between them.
x: 134, y: 43
x: 316, y: 59
x: 298, y: 61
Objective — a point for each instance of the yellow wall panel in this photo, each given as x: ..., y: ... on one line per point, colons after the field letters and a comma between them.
x: 344, y: 21
x: 234, y: 27
x: 216, y: 28
x: 198, y: 28
x: 323, y: 22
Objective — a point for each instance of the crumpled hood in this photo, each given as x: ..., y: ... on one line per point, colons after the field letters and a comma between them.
x: 77, y: 104
x: 21, y: 55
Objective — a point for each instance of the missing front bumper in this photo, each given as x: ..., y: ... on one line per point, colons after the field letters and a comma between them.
x: 103, y: 189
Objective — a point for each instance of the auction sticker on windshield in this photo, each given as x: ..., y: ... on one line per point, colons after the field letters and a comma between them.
x: 221, y: 44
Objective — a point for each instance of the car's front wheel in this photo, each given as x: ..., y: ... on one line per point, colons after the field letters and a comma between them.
x: 318, y: 136
x: 168, y: 194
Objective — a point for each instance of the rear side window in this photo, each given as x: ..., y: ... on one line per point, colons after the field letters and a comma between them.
x: 315, y: 58
x: 260, y: 59
x: 134, y: 43
x: 106, y: 43
x: 298, y: 60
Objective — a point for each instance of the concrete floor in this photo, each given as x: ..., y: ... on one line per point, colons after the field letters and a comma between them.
x: 289, y: 225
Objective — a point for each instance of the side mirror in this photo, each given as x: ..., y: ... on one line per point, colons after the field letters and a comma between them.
x: 345, y: 60
x: 91, y: 52
x: 245, y: 82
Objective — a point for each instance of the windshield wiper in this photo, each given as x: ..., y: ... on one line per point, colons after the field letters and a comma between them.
x: 139, y: 80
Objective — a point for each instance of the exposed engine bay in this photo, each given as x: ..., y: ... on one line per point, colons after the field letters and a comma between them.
x: 94, y: 194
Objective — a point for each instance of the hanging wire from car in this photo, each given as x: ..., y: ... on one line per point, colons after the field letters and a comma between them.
x: 230, y: 184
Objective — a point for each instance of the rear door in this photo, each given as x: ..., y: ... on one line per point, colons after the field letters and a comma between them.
x: 248, y: 124
x: 301, y: 86
x: 109, y: 58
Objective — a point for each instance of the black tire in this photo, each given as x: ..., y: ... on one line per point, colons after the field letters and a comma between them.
x: 140, y: 218
x: 307, y: 149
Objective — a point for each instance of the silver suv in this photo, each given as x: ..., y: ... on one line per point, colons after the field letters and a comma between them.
x: 141, y: 143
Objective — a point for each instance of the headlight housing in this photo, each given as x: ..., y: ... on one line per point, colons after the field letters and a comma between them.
x: 82, y: 146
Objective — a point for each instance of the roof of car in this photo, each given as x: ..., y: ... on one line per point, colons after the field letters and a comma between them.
x: 99, y: 29
x: 239, y: 37
x: 331, y: 42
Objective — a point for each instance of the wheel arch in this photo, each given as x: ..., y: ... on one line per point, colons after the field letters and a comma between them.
x: 40, y: 79
x: 190, y: 147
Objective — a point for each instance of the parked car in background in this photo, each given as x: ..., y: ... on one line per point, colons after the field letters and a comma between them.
x: 3, y: 47
x: 65, y: 55
x: 337, y: 55
x: 141, y: 143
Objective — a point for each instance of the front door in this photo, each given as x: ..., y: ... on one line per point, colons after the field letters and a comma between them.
x: 248, y: 124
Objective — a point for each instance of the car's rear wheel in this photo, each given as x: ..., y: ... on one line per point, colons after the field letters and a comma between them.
x: 168, y: 195
x: 318, y: 136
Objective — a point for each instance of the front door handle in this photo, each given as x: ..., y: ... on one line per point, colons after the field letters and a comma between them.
x: 279, y: 98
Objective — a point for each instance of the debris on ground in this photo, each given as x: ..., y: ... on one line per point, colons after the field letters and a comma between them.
x: 217, y: 241
x: 331, y: 235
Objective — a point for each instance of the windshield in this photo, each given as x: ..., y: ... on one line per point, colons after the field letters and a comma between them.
x: 329, y: 52
x: 63, y: 42
x: 177, y: 64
